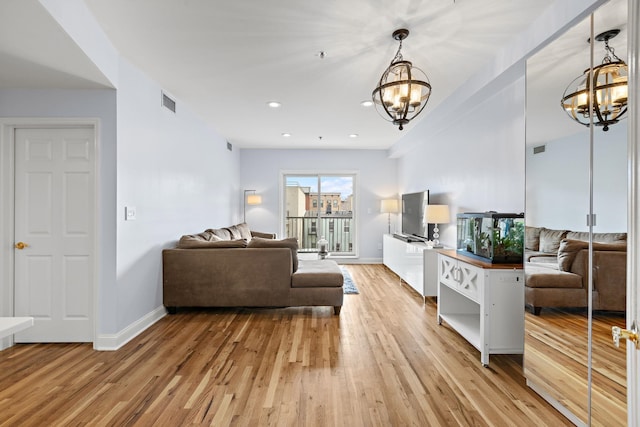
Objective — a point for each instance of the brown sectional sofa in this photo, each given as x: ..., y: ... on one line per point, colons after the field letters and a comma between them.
x: 237, y: 267
x: 556, y: 267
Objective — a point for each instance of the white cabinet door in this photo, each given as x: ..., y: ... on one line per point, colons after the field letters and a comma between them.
x: 448, y: 271
x: 470, y: 280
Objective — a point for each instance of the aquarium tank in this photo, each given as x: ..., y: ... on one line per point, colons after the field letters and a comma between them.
x: 491, y: 236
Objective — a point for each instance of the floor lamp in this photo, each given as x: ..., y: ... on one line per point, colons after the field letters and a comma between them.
x: 437, y: 214
x: 251, y: 199
x: 389, y: 206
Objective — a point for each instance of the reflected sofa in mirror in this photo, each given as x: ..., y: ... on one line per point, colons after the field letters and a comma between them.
x: 558, y: 200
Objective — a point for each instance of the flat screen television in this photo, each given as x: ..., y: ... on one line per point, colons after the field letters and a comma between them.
x: 413, y: 223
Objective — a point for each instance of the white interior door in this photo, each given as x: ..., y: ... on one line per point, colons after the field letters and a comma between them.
x: 54, y: 232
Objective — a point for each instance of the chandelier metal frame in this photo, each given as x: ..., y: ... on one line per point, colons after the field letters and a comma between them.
x: 608, y: 81
x: 403, y: 90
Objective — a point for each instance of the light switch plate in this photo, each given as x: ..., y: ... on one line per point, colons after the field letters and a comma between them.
x: 129, y: 213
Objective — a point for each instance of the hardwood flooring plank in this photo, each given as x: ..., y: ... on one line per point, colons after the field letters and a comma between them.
x: 383, y: 361
x: 556, y: 348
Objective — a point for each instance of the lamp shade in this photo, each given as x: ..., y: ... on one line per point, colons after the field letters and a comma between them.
x: 254, y: 199
x: 389, y: 206
x: 437, y: 214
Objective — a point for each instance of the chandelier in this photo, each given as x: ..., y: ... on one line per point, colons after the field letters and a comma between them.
x: 403, y: 90
x: 608, y: 82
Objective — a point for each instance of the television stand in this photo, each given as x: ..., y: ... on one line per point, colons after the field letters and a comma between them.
x: 413, y: 262
x: 407, y: 238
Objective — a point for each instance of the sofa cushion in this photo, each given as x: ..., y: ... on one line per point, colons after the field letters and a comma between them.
x: 545, y: 276
x: 192, y: 241
x: 317, y: 274
x: 597, y: 237
x: 532, y: 238
x: 550, y: 239
x: 222, y: 233
x: 570, y: 248
x: 541, y: 257
x: 263, y: 235
x: 239, y: 231
x: 291, y: 243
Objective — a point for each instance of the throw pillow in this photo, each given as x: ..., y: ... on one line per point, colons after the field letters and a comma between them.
x: 245, y: 232
x: 532, y: 238
x: 550, y: 239
x: 291, y: 243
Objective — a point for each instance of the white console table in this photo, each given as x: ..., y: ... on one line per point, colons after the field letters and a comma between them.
x: 483, y: 302
x: 416, y: 264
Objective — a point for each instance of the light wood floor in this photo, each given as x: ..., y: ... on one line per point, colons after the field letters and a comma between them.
x: 383, y: 362
x: 556, y: 349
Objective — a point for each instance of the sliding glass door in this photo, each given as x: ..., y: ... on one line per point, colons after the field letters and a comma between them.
x: 321, y: 205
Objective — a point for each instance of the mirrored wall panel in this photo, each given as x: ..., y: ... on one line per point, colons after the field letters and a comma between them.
x: 576, y: 195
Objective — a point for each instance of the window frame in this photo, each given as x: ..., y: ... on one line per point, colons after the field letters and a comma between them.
x: 322, y: 174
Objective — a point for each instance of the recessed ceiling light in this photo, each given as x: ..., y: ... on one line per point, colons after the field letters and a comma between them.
x: 366, y: 103
x: 286, y: 134
x: 274, y: 104
x: 353, y: 135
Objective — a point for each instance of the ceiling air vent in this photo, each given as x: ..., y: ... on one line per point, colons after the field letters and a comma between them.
x: 168, y: 102
x: 229, y: 146
x: 539, y: 149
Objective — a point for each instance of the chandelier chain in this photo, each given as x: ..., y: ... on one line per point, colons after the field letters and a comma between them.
x: 609, y: 50
x: 398, y: 56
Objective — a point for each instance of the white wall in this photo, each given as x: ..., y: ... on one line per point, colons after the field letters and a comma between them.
x: 558, y: 182
x: 174, y: 169
x: 377, y: 179
x: 101, y: 105
x: 474, y: 165
x: 178, y: 174
x: 469, y: 151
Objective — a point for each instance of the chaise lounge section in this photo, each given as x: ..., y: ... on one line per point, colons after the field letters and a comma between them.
x: 236, y: 267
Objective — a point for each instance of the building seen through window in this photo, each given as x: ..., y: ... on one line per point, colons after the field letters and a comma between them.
x: 320, y: 205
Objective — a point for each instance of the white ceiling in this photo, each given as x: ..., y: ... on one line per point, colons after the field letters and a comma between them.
x: 36, y: 53
x: 224, y: 60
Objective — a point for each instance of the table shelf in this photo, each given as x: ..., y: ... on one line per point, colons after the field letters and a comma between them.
x: 485, y: 305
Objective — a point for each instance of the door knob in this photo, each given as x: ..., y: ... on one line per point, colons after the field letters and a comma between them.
x: 21, y: 245
x: 630, y: 334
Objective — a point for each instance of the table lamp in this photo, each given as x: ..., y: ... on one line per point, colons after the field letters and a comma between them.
x: 437, y: 214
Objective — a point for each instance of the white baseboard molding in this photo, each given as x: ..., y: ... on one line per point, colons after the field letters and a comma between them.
x: 6, y: 342
x: 112, y: 342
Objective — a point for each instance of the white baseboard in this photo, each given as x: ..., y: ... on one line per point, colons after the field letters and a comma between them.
x: 112, y: 342
x: 6, y: 342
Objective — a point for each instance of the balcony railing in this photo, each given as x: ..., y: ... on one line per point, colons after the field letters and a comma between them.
x: 337, y: 229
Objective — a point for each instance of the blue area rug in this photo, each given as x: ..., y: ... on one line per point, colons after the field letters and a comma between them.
x: 349, y: 286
